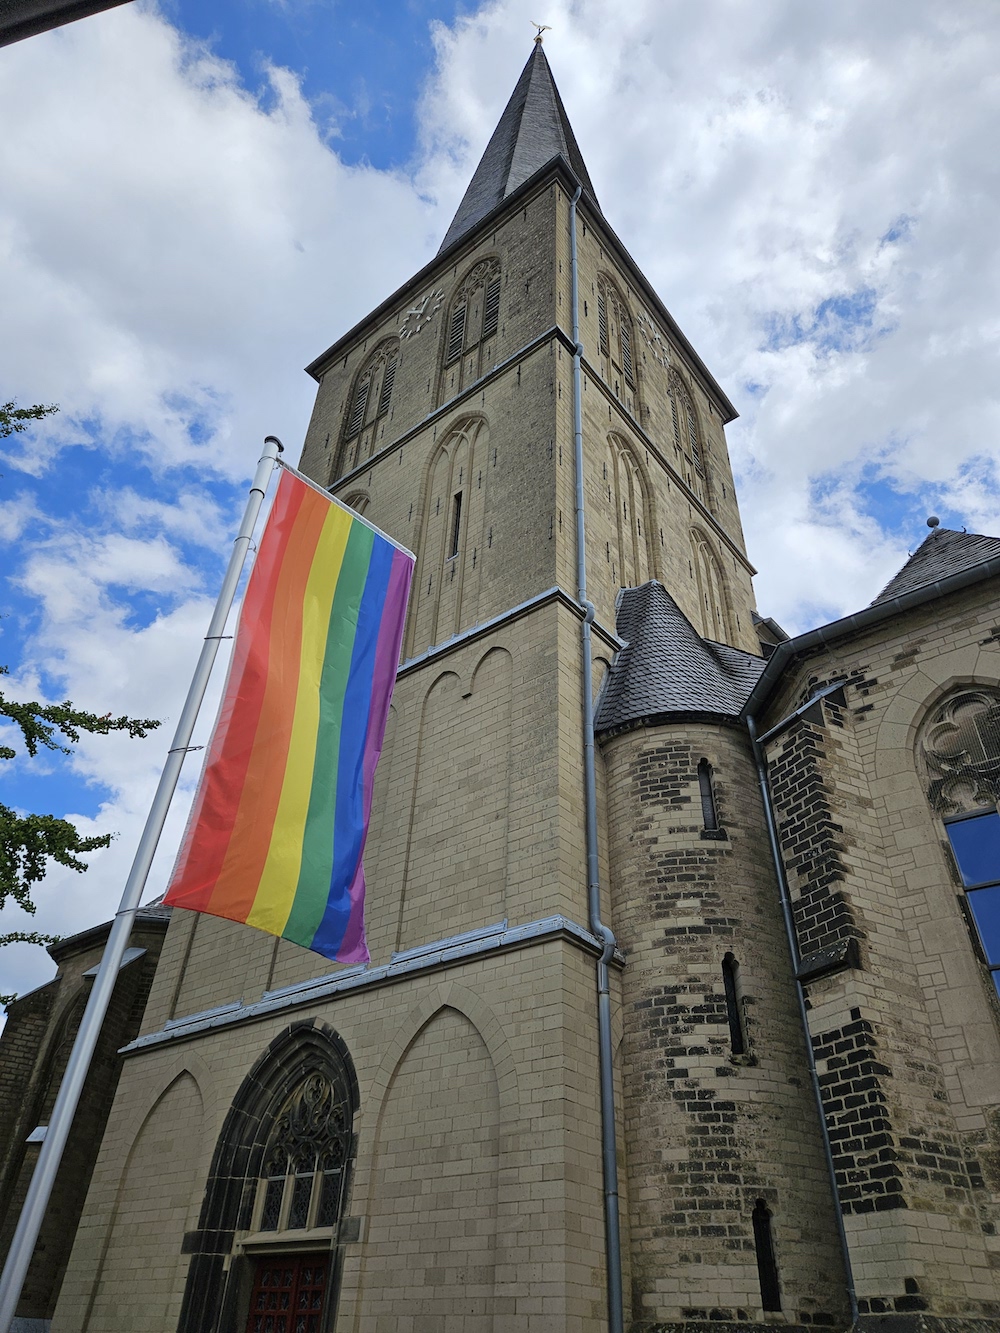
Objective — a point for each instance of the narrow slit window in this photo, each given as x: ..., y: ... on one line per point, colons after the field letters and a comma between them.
x: 456, y: 525
x: 767, y: 1267
x: 734, y: 1004
x: 709, y: 814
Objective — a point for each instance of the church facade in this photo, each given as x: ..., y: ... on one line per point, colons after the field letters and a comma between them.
x: 792, y: 1106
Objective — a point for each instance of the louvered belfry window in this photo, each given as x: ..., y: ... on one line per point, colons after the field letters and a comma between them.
x: 456, y: 333
x: 626, y: 339
x: 614, y: 334
x: 385, y: 396
x: 491, y: 307
x: 357, y: 419
x: 685, y: 422
x: 372, y: 395
x: 602, y: 324
x: 472, y: 327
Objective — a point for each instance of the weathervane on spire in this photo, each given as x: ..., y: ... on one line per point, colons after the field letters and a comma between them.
x: 541, y: 27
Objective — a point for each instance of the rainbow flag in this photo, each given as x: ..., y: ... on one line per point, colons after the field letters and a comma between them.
x: 278, y: 827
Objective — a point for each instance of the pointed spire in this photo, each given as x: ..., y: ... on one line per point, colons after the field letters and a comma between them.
x: 533, y: 129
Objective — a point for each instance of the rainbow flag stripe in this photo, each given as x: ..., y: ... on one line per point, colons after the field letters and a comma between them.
x: 277, y: 831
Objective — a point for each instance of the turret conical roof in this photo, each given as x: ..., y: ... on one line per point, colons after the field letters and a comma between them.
x: 533, y: 129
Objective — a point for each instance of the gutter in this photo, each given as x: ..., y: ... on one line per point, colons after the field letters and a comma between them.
x: 609, y: 1142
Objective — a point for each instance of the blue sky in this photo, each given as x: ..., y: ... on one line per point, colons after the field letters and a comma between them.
x: 361, y: 66
x: 200, y: 197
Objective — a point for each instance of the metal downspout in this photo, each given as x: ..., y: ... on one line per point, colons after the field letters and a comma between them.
x: 793, y: 948
x: 609, y: 1145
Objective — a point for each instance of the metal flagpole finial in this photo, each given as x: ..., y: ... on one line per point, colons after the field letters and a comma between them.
x: 540, y: 28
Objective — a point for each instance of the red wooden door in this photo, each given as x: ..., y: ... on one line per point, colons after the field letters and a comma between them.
x: 288, y: 1294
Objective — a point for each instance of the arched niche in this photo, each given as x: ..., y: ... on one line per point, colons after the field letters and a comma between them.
x: 714, y: 604
x: 452, y: 539
x: 635, y: 521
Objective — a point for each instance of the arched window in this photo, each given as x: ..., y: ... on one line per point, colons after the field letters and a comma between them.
x: 687, y: 436
x: 959, y: 752
x: 368, y: 405
x: 303, y: 1178
x: 616, y: 341
x: 267, y: 1244
x: 471, y: 328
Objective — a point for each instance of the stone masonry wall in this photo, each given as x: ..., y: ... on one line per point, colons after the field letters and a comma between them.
x: 709, y: 1131
x: 911, y: 1100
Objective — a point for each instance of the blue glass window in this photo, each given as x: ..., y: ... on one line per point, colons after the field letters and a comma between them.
x: 975, y: 841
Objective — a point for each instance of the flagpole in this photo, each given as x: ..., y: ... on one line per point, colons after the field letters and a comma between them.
x: 37, y: 1200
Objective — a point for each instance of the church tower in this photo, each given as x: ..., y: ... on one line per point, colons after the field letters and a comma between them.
x: 424, y: 1143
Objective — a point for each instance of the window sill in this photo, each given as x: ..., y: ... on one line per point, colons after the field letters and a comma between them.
x: 289, y: 1242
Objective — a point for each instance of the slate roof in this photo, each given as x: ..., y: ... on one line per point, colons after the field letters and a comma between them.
x: 533, y: 129
x: 666, y: 668
x: 941, y: 553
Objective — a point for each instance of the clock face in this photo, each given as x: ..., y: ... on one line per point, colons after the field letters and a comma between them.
x: 421, y: 313
x: 653, y: 339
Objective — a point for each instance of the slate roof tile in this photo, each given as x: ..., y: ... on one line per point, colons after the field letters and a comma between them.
x: 941, y: 553
x: 666, y: 667
x: 533, y: 129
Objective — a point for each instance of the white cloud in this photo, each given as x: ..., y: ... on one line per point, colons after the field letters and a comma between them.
x: 172, y: 254
x: 15, y: 516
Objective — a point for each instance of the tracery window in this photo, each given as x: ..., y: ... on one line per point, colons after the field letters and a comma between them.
x: 368, y: 405
x: 959, y: 749
x: 616, y: 341
x: 959, y: 752
x: 303, y: 1177
x: 473, y: 323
